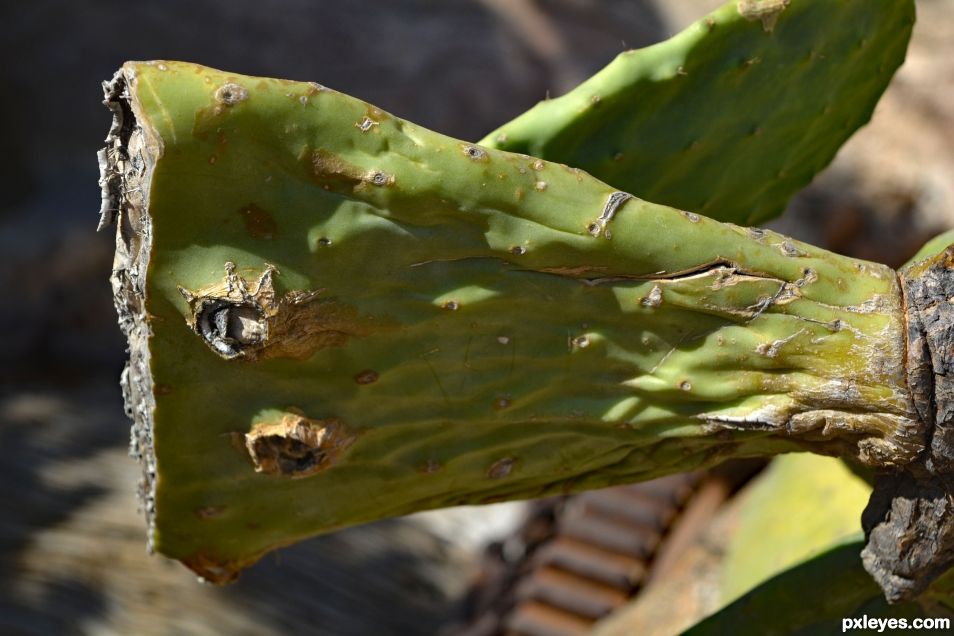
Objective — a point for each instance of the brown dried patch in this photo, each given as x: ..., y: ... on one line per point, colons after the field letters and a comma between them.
x: 296, y: 446
x: 206, y: 121
x: 259, y: 224
x: 375, y: 113
x: 475, y: 153
x: 230, y: 94
x: 429, y: 467
x: 327, y: 168
x: 212, y: 571
x: 501, y: 468
x: 333, y: 173
x: 575, y: 272
x: 209, y: 512
x: 238, y: 318
x: 368, y: 376
x: 765, y: 11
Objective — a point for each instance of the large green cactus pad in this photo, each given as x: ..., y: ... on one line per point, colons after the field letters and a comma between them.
x: 335, y: 316
x: 734, y: 115
x: 800, y: 506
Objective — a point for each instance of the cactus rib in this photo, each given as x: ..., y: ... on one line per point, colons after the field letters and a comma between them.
x: 332, y: 322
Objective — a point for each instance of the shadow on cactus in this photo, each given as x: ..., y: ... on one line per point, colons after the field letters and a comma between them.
x: 335, y: 315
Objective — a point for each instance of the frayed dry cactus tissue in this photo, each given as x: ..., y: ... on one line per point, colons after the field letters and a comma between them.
x: 335, y: 315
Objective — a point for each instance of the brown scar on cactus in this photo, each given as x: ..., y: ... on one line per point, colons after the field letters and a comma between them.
x: 613, y: 203
x: 365, y: 124
x: 474, y: 153
x: 335, y: 174
x: 259, y: 223
x: 238, y: 318
x: 297, y: 447
x: 766, y: 11
x: 230, y: 94
x: 211, y: 571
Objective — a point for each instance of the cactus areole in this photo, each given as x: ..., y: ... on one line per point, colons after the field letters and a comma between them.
x: 335, y: 316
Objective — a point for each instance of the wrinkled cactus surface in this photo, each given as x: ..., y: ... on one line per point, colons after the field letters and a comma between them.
x: 335, y: 316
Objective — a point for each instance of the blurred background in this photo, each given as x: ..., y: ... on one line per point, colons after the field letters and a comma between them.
x: 72, y: 541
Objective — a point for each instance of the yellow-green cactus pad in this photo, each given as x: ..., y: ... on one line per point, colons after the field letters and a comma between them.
x: 335, y: 315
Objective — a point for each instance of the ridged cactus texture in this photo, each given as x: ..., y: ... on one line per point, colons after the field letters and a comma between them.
x: 732, y: 116
x: 335, y: 316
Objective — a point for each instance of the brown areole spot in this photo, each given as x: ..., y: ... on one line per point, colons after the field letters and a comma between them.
x: 368, y: 376
x: 230, y: 94
x: 209, y: 512
x: 501, y: 468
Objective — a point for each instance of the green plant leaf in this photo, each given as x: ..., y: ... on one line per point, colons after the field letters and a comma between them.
x: 801, y: 505
x: 811, y: 598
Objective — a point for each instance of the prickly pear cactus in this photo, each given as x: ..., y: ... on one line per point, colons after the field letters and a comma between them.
x: 827, y: 594
x: 799, y: 507
x: 799, y: 527
x: 335, y: 315
x: 734, y: 115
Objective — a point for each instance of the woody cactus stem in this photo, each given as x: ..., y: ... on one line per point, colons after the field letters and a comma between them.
x: 909, y: 521
x: 336, y: 316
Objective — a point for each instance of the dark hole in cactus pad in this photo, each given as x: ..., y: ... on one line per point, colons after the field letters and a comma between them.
x: 229, y: 327
x: 296, y: 446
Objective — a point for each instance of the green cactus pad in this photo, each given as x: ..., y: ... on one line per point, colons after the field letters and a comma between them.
x: 734, y: 115
x: 815, y: 597
x: 800, y: 506
x: 933, y: 247
x: 335, y: 316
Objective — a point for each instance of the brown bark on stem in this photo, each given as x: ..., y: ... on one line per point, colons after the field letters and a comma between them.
x: 909, y: 521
